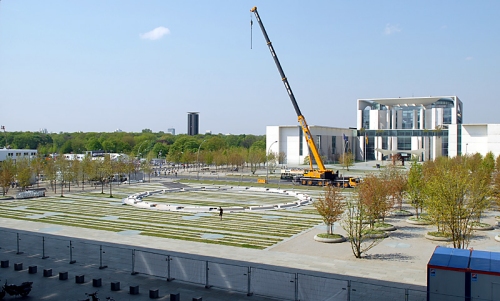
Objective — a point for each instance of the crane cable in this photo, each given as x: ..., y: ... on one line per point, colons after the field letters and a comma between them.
x: 251, y: 26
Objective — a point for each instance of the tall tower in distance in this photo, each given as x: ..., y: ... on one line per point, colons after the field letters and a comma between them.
x: 193, y: 123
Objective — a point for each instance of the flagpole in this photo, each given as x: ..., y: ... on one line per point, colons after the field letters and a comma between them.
x: 365, y: 146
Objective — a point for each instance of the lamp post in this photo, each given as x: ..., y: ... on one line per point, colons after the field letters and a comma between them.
x: 466, y: 145
x: 267, y: 161
x: 198, y: 161
x: 139, y: 149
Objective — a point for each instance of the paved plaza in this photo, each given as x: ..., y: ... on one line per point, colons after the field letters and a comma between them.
x: 399, y: 261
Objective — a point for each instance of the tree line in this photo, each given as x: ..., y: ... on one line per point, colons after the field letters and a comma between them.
x: 237, y: 151
x: 159, y: 144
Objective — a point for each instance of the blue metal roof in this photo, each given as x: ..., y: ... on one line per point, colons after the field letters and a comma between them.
x: 450, y: 258
x: 485, y: 261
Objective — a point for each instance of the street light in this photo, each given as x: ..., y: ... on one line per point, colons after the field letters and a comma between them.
x: 466, y: 145
x: 139, y: 149
x: 267, y: 161
x: 198, y: 161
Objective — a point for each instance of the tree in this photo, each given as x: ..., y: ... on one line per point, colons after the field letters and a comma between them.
x: 147, y: 169
x: 456, y: 195
x: 235, y: 157
x: 271, y: 160
x: 373, y: 193
x: 24, y: 173
x: 100, y: 172
x: 415, y: 188
x: 330, y: 206
x: 7, y: 174
x: 282, y: 158
x: 62, y: 167
x: 37, y: 165
x: 496, y: 183
x: 74, y: 172
x: 346, y: 160
x: 93, y: 144
x: 220, y: 158
x: 396, y: 182
x: 214, y: 143
x: 255, y: 155
x: 356, y: 230
x: 86, y: 169
x: 107, y: 171
x: 489, y: 162
x: 50, y: 173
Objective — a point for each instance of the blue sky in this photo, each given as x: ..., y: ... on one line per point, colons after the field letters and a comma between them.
x: 104, y: 65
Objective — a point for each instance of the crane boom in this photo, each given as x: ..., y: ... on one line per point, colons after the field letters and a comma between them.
x: 322, y: 171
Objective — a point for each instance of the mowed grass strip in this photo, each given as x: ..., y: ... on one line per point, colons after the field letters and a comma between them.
x: 243, y: 229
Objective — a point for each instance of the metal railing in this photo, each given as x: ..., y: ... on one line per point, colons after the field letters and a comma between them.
x: 268, y: 282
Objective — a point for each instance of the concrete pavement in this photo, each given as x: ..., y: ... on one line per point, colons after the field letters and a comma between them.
x: 397, y: 263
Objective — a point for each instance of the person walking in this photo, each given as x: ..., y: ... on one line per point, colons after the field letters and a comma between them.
x: 220, y: 212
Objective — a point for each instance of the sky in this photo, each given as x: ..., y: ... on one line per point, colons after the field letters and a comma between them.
x: 99, y: 66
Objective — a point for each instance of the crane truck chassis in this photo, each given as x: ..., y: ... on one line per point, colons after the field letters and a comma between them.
x: 297, y: 176
x: 337, y: 181
x: 312, y: 177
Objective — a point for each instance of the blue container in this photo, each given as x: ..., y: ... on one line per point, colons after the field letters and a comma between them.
x: 484, y: 275
x: 448, y: 276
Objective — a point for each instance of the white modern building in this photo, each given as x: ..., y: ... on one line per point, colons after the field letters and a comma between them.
x: 414, y: 125
x: 16, y: 154
x: 290, y: 140
x: 475, y: 138
x: 422, y: 127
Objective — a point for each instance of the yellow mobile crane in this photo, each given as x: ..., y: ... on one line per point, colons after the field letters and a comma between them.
x: 320, y: 176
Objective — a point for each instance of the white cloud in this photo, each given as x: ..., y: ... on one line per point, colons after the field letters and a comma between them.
x: 469, y: 58
x: 390, y: 29
x: 155, y: 34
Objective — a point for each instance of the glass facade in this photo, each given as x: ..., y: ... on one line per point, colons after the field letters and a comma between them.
x: 365, y: 122
x: 334, y: 144
x: 403, y: 138
x: 459, y: 144
x: 404, y: 143
x: 407, y: 119
x: 444, y: 145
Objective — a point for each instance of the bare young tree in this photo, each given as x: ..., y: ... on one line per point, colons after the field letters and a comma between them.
x: 330, y: 206
x: 373, y: 192
x: 396, y: 182
x: 356, y: 229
